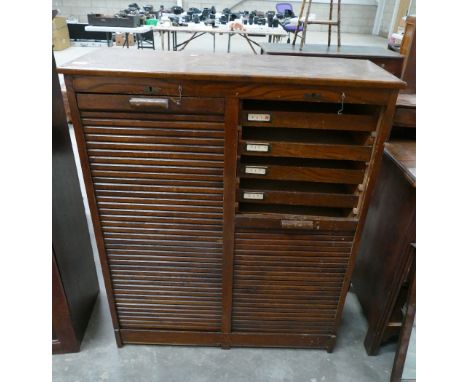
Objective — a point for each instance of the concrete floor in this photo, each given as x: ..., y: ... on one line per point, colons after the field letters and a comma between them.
x: 101, y: 360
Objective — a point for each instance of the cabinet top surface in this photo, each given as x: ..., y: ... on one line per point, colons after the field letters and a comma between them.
x: 232, y: 67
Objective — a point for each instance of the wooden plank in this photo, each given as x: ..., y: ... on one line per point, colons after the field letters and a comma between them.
x: 230, y: 159
x: 121, y: 103
x: 303, y: 173
x: 308, y: 150
x: 311, y: 120
x: 299, y: 198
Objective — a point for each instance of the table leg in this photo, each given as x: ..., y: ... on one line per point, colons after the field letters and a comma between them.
x: 168, y: 40
x: 214, y: 42
x: 161, y: 36
x: 250, y: 43
x: 229, y: 43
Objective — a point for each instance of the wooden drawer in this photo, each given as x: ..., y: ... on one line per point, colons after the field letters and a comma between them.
x: 297, y: 198
x: 306, y: 150
x: 129, y: 103
x: 307, y: 174
x: 294, y: 222
x: 148, y: 86
x: 309, y: 120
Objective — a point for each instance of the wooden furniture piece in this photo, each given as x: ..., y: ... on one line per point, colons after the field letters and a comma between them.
x: 74, y: 281
x: 407, y: 326
x: 228, y: 194
x: 408, y: 49
x: 385, y: 58
x: 383, y: 265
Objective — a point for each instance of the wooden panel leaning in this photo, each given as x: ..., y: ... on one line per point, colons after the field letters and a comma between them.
x: 227, y: 197
x: 383, y: 266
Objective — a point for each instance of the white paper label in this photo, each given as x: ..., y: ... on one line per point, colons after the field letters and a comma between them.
x: 257, y: 147
x: 259, y: 117
x: 255, y: 170
x: 253, y: 195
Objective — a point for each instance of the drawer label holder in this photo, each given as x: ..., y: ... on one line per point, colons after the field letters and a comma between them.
x: 256, y: 117
x: 257, y: 147
x: 253, y: 195
x: 255, y: 170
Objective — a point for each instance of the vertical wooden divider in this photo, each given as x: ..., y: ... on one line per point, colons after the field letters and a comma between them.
x: 229, y: 200
x: 88, y: 180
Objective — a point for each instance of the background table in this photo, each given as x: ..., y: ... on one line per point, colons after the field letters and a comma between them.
x: 108, y: 30
x: 198, y: 30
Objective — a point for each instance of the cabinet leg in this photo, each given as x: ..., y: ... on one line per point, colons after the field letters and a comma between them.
x: 118, y: 339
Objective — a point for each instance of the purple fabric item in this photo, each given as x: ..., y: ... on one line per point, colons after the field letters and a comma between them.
x: 291, y: 28
x: 281, y: 7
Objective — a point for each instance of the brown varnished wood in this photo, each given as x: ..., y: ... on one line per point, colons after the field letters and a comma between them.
x: 385, y: 58
x: 403, y: 154
x: 306, y: 174
x: 304, y: 120
x: 383, y: 130
x: 305, y: 150
x: 188, y: 105
x: 384, y: 248
x: 191, y: 259
x: 213, y: 67
x: 230, y: 152
x: 74, y: 281
x: 79, y: 134
x: 300, y: 198
x: 407, y: 325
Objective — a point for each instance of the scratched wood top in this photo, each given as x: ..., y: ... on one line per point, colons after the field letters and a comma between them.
x: 232, y: 67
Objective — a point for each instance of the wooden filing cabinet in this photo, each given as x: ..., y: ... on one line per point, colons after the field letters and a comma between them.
x: 228, y: 193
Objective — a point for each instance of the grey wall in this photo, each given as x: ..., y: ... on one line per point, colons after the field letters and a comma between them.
x: 355, y: 18
x: 387, y: 18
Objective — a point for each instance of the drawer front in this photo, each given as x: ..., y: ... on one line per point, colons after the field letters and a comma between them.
x: 296, y: 173
x: 304, y: 150
x: 288, y: 282
x: 129, y: 103
x: 297, y: 198
x: 148, y: 86
x: 159, y: 190
x: 309, y: 120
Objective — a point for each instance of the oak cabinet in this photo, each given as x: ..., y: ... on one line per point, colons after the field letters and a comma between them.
x: 228, y: 197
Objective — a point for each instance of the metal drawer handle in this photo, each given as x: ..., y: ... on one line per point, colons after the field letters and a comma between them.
x: 297, y: 224
x: 153, y: 103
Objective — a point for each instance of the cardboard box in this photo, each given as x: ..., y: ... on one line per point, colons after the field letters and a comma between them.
x: 59, y: 22
x: 60, y: 35
x: 120, y: 39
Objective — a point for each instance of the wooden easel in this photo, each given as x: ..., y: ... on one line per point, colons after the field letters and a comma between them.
x: 330, y: 22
